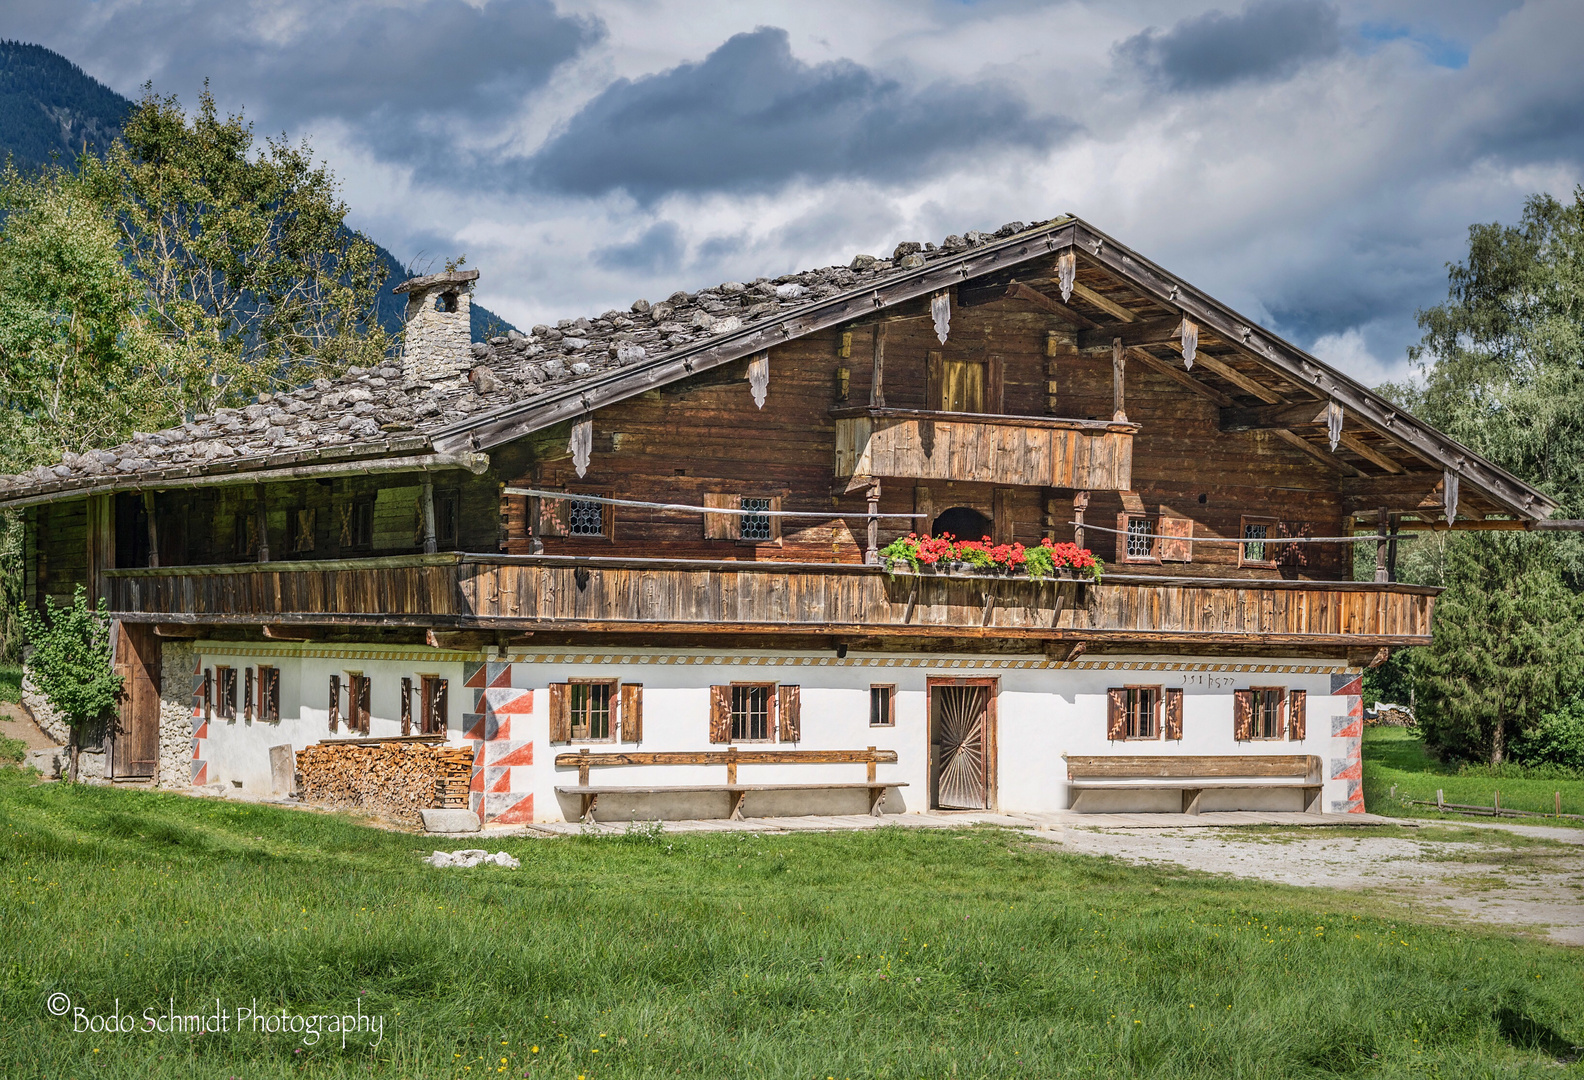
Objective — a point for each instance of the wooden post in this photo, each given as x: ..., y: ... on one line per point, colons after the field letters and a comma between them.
x: 101, y: 545
x: 1496, y: 803
x: 1381, y: 544
x: 1440, y: 800
x: 262, y: 514
x: 1391, y: 549
x: 1118, y: 366
x: 872, y: 551
x: 431, y: 545
x: 153, y: 531
x: 877, y: 381
x: 1080, y: 504
x: 1558, y: 796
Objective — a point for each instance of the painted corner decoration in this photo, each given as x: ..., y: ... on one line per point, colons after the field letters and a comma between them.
x: 1190, y: 342
x: 1066, y: 272
x: 759, y: 377
x: 582, y: 444
x: 940, y: 311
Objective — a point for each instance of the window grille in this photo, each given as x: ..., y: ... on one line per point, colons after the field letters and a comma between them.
x: 1141, y: 712
x: 1255, y: 548
x: 1268, y: 713
x: 591, y: 710
x: 750, y: 712
x: 756, y: 523
x: 1139, y: 544
x: 585, y: 518
x: 882, y: 699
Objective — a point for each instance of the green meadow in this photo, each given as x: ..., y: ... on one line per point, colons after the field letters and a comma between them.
x: 1396, y: 758
x: 891, y: 953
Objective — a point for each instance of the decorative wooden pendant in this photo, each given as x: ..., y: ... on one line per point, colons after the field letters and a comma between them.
x: 1449, y: 494
x: 1066, y: 272
x: 1190, y: 342
x: 940, y: 309
x: 759, y: 377
x: 582, y: 444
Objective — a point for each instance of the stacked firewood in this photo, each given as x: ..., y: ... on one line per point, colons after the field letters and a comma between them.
x: 393, y: 779
x: 455, y: 775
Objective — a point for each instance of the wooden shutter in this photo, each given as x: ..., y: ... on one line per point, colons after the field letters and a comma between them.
x: 247, y: 696
x: 775, y: 522
x: 560, y: 713
x: 789, y: 702
x: 208, y: 694
x: 1281, y: 715
x: 1116, y: 713
x: 995, y: 388
x: 1297, y: 715
x: 1174, y: 707
x: 335, y: 703
x: 720, y: 714
x: 1180, y: 547
x: 1242, y: 714
x: 555, y: 517
x: 933, y: 381
x: 365, y: 692
x: 1001, y: 521
x: 721, y: 526
x: 1122, y: 537
x: 632, y: 712
x: 440, y: 707
x: 406, y: 706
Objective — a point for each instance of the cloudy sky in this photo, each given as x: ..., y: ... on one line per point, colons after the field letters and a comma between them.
x: 1314, y: 163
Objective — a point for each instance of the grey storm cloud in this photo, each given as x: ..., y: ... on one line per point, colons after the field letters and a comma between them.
x: 406, y: 80
x: 1268, y: 39
x: 658, y: 249
x: 751, y: 116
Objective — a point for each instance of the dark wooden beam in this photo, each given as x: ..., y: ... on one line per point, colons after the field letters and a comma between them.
x: 1144, y: 332
x: 1178, y: 375
x: 1267, y: 417
x: 1330, y: 461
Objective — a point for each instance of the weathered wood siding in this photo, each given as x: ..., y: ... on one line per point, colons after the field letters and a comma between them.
x: 530, y: 593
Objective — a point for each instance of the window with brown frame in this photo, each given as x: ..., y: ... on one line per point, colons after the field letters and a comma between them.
x: 752, y: 712
x: 1259, y: 542
x: 882, y: 705
x: 583, y: 519
x: 360, y: 692
x: 226, y: 705
x: 592, y: 704
x: 269, y: 694
x: 1260, y: 713
x: 436, y: 706
x: 757, y: 524
x: 1136, y: 542
x: 1133, y: 712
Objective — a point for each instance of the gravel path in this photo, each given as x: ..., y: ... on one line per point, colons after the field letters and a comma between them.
x: 1522, y: 877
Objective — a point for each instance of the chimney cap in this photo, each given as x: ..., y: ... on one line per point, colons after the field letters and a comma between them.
x: 429, y: 281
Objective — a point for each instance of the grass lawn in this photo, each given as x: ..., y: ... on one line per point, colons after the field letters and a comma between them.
x: 1394, y: 755
x: 892, y: 953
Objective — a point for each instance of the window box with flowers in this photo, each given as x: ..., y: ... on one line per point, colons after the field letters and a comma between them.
x: 914, y: 554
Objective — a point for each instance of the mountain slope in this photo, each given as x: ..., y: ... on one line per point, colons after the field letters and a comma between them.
x: 50, y: 110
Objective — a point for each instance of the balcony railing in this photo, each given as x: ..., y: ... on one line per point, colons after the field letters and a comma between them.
x: 658, y: 596
x: 1032, y: 451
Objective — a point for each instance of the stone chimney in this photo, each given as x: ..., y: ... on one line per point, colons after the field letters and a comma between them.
x: 438, y: 325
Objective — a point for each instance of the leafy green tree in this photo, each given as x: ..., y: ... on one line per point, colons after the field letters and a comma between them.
x: 71, y: 665
x: 249, y: 273
x: 78, y: 365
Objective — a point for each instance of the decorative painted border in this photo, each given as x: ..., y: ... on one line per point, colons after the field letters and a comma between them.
x: 331, y: 652
x: 934, y: 663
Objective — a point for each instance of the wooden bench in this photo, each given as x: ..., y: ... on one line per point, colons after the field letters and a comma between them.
x: 1193, y: 775
x: 731, y: 757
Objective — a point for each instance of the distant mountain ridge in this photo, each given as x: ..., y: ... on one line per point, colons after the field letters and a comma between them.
x: 51, y: 110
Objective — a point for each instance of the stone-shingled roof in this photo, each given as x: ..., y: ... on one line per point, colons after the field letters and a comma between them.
x: 374, y: 412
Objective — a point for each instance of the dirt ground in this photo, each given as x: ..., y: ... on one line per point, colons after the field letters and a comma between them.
x: 1528, y: 878
x: 17, y: 724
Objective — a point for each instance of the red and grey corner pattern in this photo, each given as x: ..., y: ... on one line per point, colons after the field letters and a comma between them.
x: 1347, y: 742
x: 502, y: 787
x: 200, y: 766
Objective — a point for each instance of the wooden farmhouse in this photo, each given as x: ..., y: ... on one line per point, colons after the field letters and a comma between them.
x: 630, y: 566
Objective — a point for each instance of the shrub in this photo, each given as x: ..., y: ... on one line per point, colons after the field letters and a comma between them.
x: 70, y: 662
x: 1558, y: 739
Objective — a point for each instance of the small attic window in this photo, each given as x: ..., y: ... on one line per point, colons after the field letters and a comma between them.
x: 447, y: 302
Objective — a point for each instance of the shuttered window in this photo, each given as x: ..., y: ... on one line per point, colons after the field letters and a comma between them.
x: 269, y: 694
x: 360, y: 693
x: 757, y: 526
x: 436, y: 714
x: 754, y: 523
x: 1135, y: 539
x: 1134, y: 712
x: 1270, y: 712
x: 1258, y: 548
x: 751, y: 711
x: 592, y: 703
x: 227, y: 705
x: 1297, y: 715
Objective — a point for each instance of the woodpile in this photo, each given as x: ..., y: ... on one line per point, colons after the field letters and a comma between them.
x: 395, y: 779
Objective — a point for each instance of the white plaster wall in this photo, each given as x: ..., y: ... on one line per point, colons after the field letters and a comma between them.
x: 238, y: 750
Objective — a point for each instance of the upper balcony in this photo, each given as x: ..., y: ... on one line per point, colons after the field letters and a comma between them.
x: 692, y: 598
x: 1013, y: 451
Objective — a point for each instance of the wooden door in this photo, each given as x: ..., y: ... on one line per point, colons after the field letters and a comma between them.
x: 962, y: 744
x: 135, y: 737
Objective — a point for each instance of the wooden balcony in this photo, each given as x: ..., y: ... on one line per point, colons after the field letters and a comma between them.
x: 1032, y: 451
x: 566, y: 594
